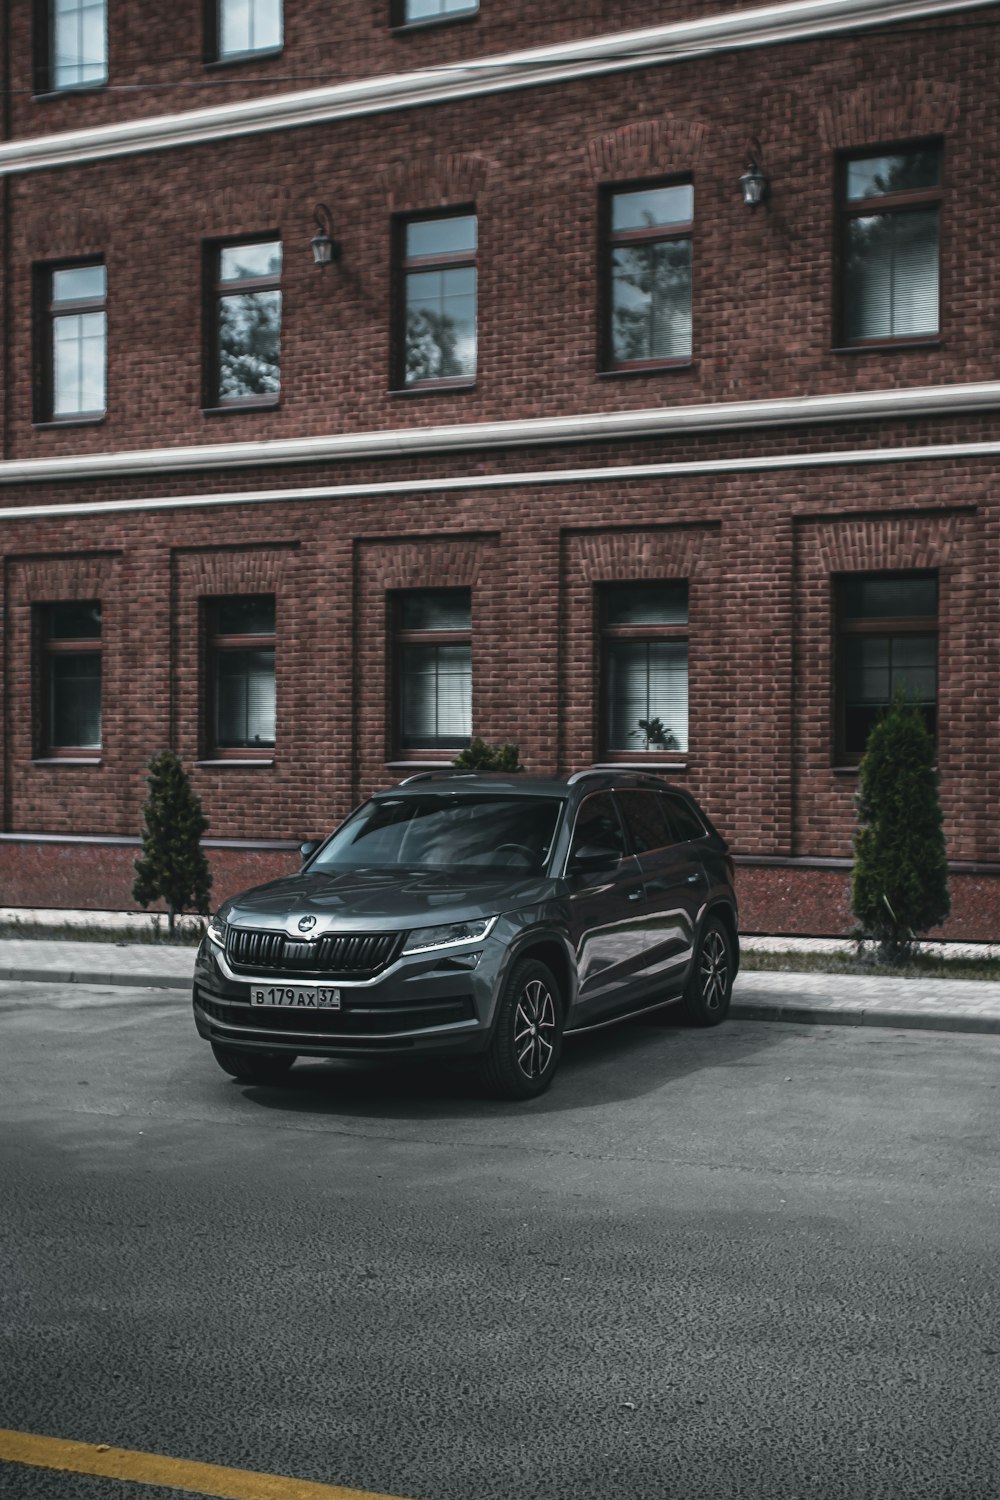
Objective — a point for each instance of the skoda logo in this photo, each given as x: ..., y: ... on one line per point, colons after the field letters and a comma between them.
x: 306, y: 924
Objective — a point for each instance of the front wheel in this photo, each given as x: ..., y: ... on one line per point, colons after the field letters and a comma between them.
x: 710, y: 984
x: 527, y: 1039
x: 253, y: 1067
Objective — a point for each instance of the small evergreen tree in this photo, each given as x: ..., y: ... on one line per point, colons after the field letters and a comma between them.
x: 172, y: 864
x: 900, y: 880
x: 482, y: 757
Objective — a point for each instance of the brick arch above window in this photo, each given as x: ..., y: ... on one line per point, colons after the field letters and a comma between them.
x: 438, y: 180
x: 250, y: 571
x: 895, y: 109
x: 458, y: 562
x: 679, y: 552
x: 887, y: 543
x: 63, y: 234
x: 647, y: 148
x: 233, y: 212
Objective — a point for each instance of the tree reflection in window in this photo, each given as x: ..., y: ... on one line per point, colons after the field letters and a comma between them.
x: 248, y: 322
x: 649, y: 275
x: 439, y: 280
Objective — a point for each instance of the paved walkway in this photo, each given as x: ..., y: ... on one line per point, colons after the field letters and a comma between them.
x: 828, y: 999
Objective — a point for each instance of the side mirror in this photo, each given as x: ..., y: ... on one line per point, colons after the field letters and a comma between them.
x: 590, y: 858
x: 309, y: 847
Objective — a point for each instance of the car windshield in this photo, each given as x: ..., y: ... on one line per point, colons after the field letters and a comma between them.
x: 475, y: 833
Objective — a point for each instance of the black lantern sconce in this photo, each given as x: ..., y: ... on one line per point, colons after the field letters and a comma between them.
x: 755, y: 183
x: 325, y: 248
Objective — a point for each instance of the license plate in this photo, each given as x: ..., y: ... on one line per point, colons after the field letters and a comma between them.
x: 295, y: 995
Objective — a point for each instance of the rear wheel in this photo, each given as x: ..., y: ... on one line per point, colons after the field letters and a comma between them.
x: 527, y: 1038
x: 710, y: 984
x: 253, y: 1067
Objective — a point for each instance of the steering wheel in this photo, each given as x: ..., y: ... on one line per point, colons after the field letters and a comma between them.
x: 529, y: 854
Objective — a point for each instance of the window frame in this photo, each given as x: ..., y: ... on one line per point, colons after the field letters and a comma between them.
x: 214, y: 643
x: 212, y: 33
x: 47, y: 648
x: 43, y: 63
x: 399, y: 21
x: 214, y: 290
x: 399, y: 639
x: 46, y: 313
x: 402, y: 267
x: 889, y: 626
x: 608, y: 241
x: 907, y: 201
x: 606, y: 636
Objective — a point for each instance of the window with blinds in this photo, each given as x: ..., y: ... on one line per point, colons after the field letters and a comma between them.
x: 432, y: 647
x: 890, y: 249
x: 887, y: 625
x: 644, y: 668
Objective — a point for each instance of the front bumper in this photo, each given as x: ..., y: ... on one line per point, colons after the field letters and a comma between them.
x: 434, y: 1003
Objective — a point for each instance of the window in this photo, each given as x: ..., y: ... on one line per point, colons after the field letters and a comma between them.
x: 71, y: 45
x: 244, y: 320
x: 890, y: 245
x: 69, y: 640
x: 644, y: 668
x: 647, y: 276
x: 72, y: 329
x: 598, y: 830
x: 416, y: 12
x: 887, y: 624
x: 433, y: 650
x: 436, y: 343
x: 656, y: 820
x: 239, y: 28
x: 240, y: 675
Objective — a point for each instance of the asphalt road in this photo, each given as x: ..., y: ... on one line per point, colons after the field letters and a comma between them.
x: 756, y: 1262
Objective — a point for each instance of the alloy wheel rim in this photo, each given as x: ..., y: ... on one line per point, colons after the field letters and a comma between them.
x: 714, y: 971
x: 535, y: 1029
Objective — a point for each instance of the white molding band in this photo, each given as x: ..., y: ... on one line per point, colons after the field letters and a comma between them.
x: 767, y: 25
x: 588, y: 427
x: 473, y: 482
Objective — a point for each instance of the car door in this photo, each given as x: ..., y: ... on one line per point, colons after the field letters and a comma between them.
x: 607, y: 910
x: 664, y: 830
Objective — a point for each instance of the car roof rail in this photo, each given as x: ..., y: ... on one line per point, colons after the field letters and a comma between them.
x: 446, y: 771
x: 590, y: 771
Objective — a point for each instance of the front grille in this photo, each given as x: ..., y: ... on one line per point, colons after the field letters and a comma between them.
x: 339, y: 955
x: 351, y: 1021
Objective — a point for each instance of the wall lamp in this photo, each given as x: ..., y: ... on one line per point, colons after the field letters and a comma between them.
x: 324, y: 247
x: 755, y: 183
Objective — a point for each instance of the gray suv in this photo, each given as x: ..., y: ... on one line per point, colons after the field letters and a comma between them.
x: 476, y: 914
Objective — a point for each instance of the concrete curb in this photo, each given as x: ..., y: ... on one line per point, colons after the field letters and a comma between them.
x: 828, y: 1015
x: 742, y: 1010
x: 86, y: 976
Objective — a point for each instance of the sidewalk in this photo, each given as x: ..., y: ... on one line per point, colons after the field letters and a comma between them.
x: 823, y: 999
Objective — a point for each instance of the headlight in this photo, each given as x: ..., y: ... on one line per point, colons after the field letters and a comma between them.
x: 216, y: 932
x: 453, y: 935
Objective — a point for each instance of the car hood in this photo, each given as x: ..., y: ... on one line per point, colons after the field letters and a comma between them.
x: 381, y: 900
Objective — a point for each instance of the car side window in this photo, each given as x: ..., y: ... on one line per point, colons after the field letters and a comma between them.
x: 598, y: 830
x: 646, y: 820
x: 683, y: 819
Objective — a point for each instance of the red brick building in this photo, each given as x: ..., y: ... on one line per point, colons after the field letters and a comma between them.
x: 567, y: 444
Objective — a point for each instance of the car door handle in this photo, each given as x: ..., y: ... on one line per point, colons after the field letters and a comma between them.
x: 695, y: 879
x: 637, y: 895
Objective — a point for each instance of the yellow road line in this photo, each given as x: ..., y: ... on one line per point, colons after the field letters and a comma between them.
x: 171, y: 1473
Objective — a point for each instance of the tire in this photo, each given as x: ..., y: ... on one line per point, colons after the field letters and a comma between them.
x: 710, y: 984
x: 253, y: 1067
x: 526, y: 1045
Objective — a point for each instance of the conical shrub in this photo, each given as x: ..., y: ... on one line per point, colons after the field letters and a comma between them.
x: 172, y: 864
x: 900, y: 880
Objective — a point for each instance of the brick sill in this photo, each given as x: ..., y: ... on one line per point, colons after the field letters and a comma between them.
x: 67, y: 760
x: 270, y: 403
x: 83, y: 420
x: 216, y: 765
x: 893, y: 347
x: 630, y: 372
x: 435, y: 388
